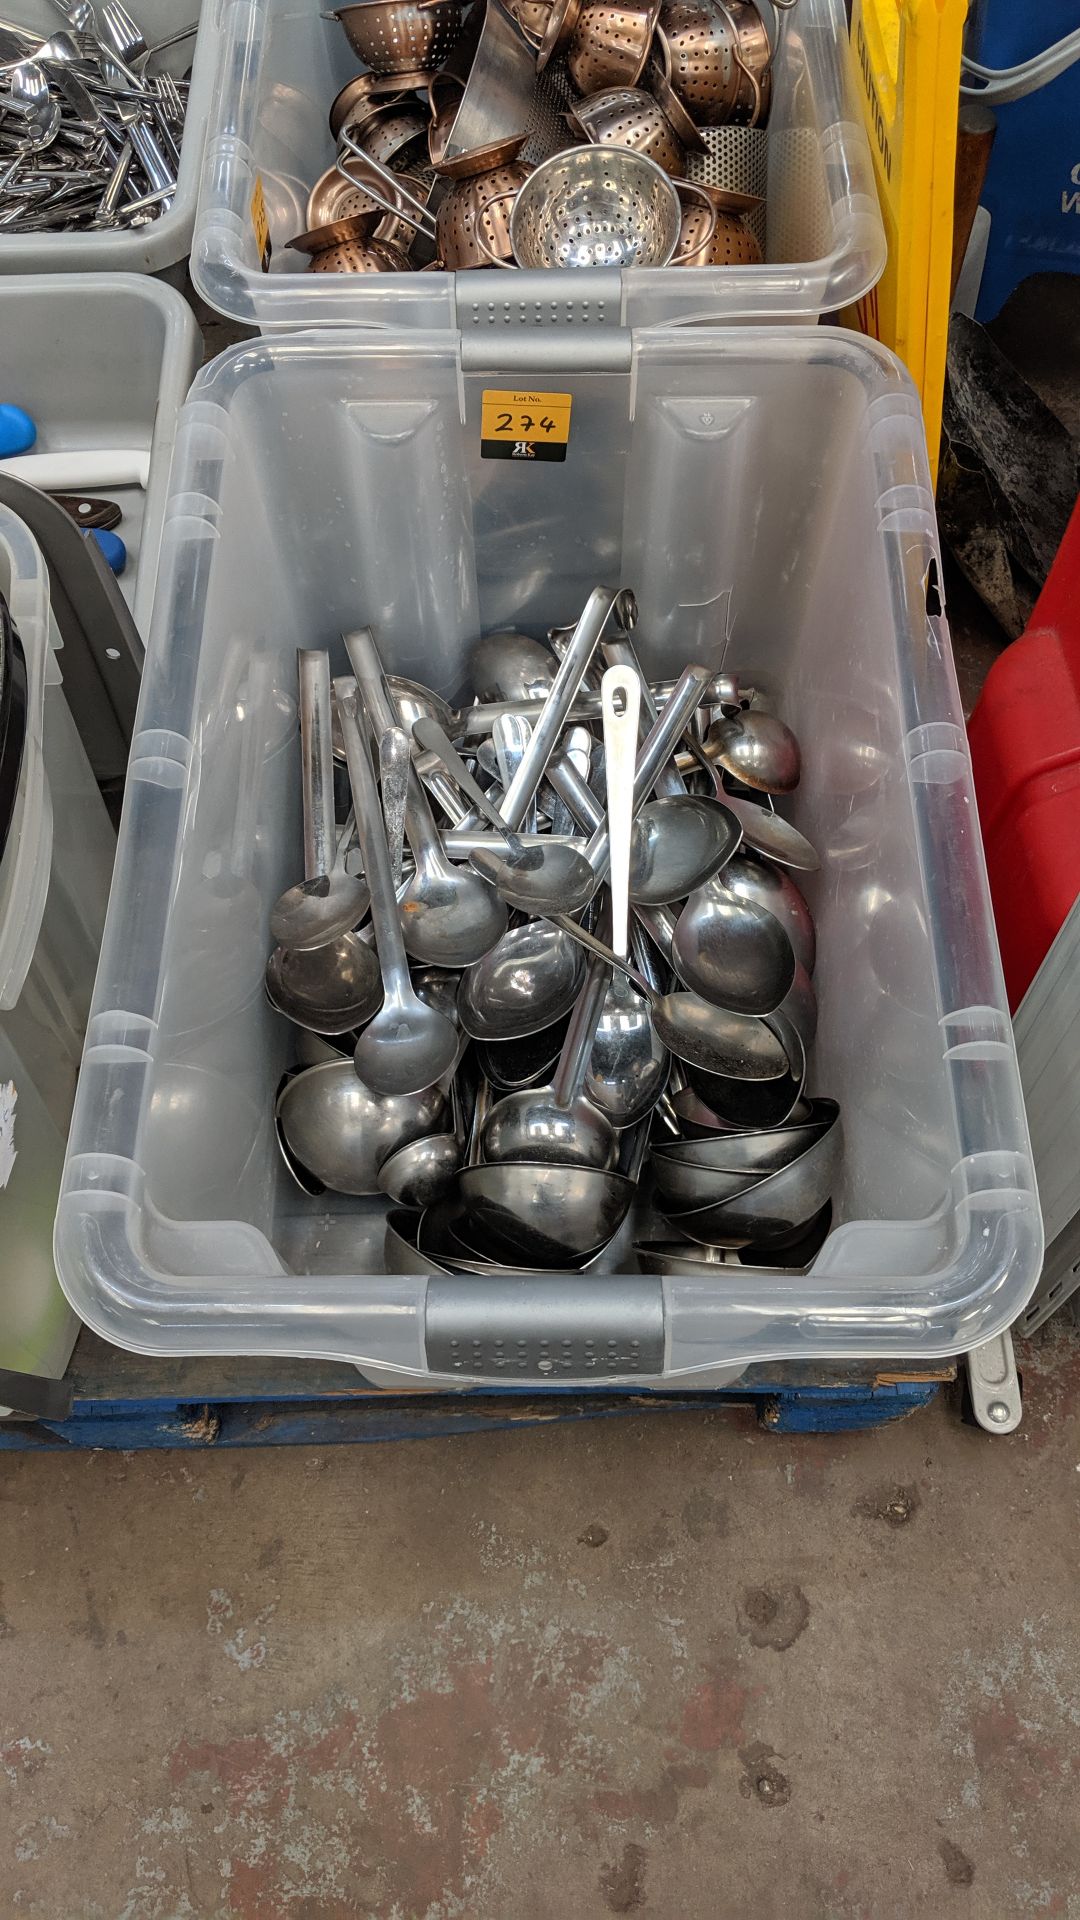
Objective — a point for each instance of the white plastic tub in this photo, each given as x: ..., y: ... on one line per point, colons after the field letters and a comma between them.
x: 104, y: 360
x: 283, y: 61
x: 770, y: 482
x: 163, y: 245
x: 54, y: 887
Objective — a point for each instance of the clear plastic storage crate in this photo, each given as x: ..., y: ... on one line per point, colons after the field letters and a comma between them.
x: 283, y: 61
x: 164, y: 244
x: 104, y: 360
x: 765, y: 493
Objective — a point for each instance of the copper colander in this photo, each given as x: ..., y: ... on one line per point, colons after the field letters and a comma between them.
x: 374, y: 256
x: 719, y: 60
x: 367, y: 92
x: 712, y: 232
x: 629, y: 117
x: 399, y: 36
x: 472, y: 227
x: 392, y: 130
x: 610, y: 44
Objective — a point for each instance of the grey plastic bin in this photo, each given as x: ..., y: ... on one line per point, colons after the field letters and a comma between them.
x: 282, y: 62
x: 104, y: 360
x: 162, y: 246
x: 770, y: 484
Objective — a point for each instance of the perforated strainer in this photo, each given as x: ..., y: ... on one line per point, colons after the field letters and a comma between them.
x: 712, y: 233
x: 352, y: 257
x: 596, y: 207
x: 397, y: 36
x: 472, y: 226
x: 629, y: 117
x: 717, y: 56
x: 610, y: 44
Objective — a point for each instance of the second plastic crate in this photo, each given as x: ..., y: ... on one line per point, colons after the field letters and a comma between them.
x: 281, y: 66
x: 162, y: 245
x: 104, y: 360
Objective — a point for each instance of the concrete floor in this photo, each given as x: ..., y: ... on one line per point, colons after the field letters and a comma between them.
x: 678, y: 1667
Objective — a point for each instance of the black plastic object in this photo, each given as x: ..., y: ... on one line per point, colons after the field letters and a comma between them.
x: 13, y: 709
x: 86, y: 511
x: 102, y: 657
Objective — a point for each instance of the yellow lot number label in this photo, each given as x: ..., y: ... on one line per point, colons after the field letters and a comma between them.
x: 520, y: 425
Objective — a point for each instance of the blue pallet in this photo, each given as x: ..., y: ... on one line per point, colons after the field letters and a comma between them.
x: 129, y: 1403
x: 1032, y: 189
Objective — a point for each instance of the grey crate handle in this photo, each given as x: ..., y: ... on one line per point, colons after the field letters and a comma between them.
x: 544, y: 1327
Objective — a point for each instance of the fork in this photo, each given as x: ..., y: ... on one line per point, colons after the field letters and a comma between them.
x: 172, y: 100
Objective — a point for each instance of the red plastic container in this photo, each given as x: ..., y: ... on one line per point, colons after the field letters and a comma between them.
x: 1025, y: 749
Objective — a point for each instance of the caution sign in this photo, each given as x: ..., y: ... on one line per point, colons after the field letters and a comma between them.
x: 516, y: 425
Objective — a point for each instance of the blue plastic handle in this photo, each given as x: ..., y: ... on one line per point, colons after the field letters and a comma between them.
x: 111, y: 546
x: 17, y: 430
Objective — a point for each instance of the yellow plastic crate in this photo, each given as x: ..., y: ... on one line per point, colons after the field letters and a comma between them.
x: 907, y: 57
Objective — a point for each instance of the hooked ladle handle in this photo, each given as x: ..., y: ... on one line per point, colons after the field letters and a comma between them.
x: 378, y: 869
x: 317, y: 761
x: 595, y: 615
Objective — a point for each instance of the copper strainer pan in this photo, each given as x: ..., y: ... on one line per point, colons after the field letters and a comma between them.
x: 351, y: 257
x: 629, y: 117
x: 720, y: 56
x: 712, y: 233
x: 399, y: 36
x: 473, y: 222
x: 610, y: 44
x: 367, y: 92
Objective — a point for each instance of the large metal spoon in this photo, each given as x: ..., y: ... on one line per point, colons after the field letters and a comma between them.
x: 547, y: 1215
x: 526, y: 983
x: 29, y: 96
x: 449, y: 915
x: 553, y: 873
x: 732, y: 951
x: 767, y: 887
x: 510, y: 666
x: 341, y: 1132
x: 409, y: 1044
x: 763, y: 829
x: 757, y: 749
x: 334, y: 987
x: 558, y: 1123
x: 328, y: 901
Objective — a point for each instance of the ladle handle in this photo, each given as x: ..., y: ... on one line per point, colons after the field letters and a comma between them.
x: 398, y: 199
x: 572, y: 670
x: 510, y: 736
x: 580, y: 1034
x: 378, y: 869
x: 395, y: 760
x: 669, y: 784
x: 620, y: 692
x: 601, y: 952
x: 371, y: 681
x: 317, y: 761
x: 428, y: 734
